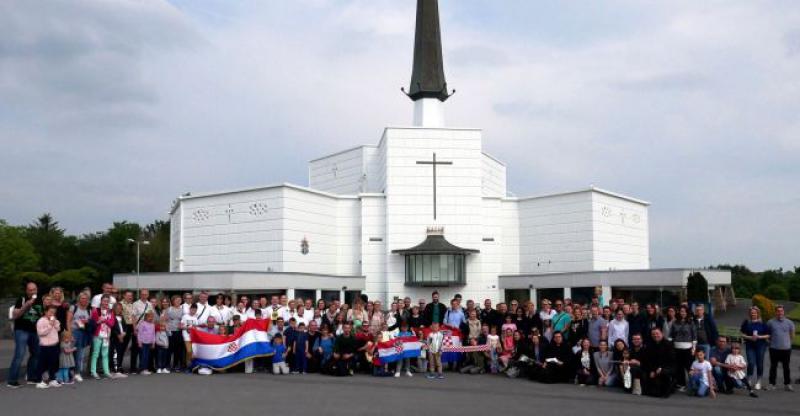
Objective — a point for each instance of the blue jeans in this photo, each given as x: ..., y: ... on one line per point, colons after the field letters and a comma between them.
x: 697, y: 385
x: 755, y: 358
x: 63, y: 375
x: 162, y: 357
x: 144, y: 357
x: 82, y: 340
x: 23, y: 340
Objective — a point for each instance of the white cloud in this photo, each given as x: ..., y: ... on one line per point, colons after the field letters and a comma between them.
x: 119, y: 107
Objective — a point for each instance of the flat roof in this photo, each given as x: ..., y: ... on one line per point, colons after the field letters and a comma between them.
x: 667, y: 277
x: 589, y: 189
x: 238, y: 280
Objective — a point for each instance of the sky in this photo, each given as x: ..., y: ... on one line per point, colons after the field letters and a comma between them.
x: 111, y: 109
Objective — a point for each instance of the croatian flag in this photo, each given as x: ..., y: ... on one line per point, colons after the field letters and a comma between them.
x: 398, y: 349
x: 219, y: 352
x: 451, y: 345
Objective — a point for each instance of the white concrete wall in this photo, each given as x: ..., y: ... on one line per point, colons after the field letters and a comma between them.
x: 555, y: 233
x: 409, y: 202
x: 509, y: 213
x: 249, y: 239
x: 373, y: 242
x: 327, y: 223
x: 340, y: 173
x: 175, y: 228
x: 620, y: 233
x: 494, y: 177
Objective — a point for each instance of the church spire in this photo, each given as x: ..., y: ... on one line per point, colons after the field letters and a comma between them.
x: 427, y: 75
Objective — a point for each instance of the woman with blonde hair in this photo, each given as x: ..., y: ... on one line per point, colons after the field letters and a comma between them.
x: 755, y: 333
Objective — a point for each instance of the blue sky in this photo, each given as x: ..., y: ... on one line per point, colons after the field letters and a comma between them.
x: 112, y: 109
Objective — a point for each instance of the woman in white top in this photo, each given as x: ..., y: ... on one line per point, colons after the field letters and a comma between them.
x: 618, y: 328
x: 547, y: 313
x: 187, y: 322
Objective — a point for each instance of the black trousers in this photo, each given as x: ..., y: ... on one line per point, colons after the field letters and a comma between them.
x: 177, y: 349
x: 48, y: 361
x: 659, y: 386
x: 116, y: 354
x: 781, y: 357
x: 683, y: 360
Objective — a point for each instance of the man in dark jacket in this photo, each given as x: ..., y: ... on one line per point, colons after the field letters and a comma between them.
x: 434, y: 311
x: 658, y: 366
x: 705, y: 328
x: 652, y: 321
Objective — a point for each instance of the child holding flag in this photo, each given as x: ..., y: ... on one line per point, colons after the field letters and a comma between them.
x: 404, y: 362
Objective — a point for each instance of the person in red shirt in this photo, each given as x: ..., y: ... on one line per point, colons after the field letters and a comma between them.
x: 364, y: 349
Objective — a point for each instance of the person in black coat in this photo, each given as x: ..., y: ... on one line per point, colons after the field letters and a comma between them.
x: 583, y: 362
x: 659, y: 366
x: 652, y: 321
x: 538, y: 347
x: 434, y: 311
x: 558, y: 361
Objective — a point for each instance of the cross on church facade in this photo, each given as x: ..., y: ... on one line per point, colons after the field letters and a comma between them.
x: 434, y: 162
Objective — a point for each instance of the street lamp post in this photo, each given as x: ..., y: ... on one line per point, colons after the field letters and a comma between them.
x: 138, y: 250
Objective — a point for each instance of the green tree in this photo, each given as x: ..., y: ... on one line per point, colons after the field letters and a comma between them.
x: 50, y: 243
x: 42, y: 280
x: 17, y: 256
x: 74, y: 280
x: 110, y: 252
x: 155, y: 256
x: 793, y: 288
x: 697, y: 288
x: 776, y: 292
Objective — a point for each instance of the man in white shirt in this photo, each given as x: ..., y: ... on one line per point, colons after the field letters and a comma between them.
x: 225, y: 313
x: 204, y: 310
x: 273, y: 311
x: 289, y: 311
x: 188, y: 300
x: 107, y: 289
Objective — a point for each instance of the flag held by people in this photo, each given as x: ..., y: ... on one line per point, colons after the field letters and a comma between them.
x: 219, y: 352
x: 398, y: 349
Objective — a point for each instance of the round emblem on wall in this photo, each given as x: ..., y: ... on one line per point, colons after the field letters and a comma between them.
x: 304, y: 246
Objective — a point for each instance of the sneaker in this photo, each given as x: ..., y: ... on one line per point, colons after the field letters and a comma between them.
x: 397, y: 374
x: 69, y: 383
x: 408, y: 374
x: 95, y: 376
x: 758, y: 385
x: 160, y: 371
x: 145, y: 372
x: 42, y: 385
x: 206, y: 371
x: 13, y: 385
x: 165, y: 371
x: 430, y: 376
x: 115, y: 376
x: 32, y: 383
x: 682, y: 389
x: 440, y: 376
x: 78, y: 378
x: 753, y: 394
x: 788, y: 387
x: 54, y: 383
x: 770, y: 387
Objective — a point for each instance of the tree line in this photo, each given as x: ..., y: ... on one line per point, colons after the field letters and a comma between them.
x: 776, y: 284
x: 42, y: 252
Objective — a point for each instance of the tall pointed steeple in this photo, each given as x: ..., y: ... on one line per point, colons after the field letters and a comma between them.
x: 427, y: 75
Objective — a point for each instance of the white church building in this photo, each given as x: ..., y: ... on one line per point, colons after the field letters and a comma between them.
x: 423, y: 208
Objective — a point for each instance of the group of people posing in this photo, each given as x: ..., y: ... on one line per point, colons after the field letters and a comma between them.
x: 650, y: 351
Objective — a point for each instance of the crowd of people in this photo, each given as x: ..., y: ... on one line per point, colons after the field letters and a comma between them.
x: 615, y: 345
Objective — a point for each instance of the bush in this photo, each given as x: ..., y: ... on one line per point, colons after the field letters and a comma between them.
x: 696, y: 288
x: 777, y: 292
x: 766, y: 306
